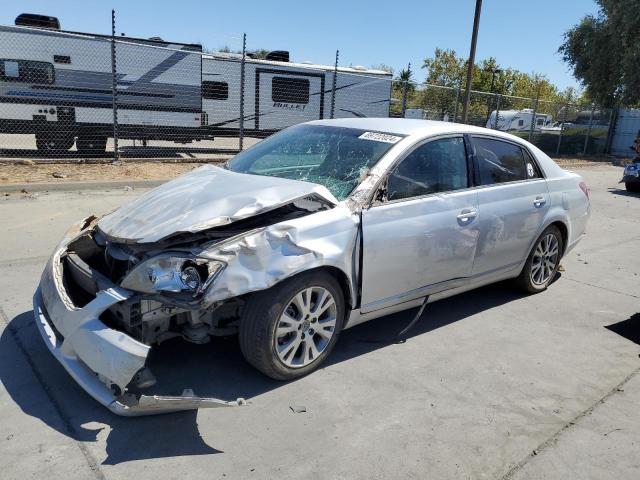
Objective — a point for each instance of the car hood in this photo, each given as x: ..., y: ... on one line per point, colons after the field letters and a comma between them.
x: 204, y: 198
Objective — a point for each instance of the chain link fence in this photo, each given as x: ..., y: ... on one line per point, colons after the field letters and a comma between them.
x: 79, y: 95
x: 557, y: 128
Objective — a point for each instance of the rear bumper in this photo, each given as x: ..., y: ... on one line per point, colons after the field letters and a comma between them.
x: 630, y: 179
x: 100, y: 359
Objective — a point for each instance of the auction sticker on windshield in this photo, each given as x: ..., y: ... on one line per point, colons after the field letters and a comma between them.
x: 380, y: 137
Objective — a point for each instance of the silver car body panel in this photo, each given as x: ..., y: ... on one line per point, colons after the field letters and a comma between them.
x: 389, y: 239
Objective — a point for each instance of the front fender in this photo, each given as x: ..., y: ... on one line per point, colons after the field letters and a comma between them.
x: 262, y: 258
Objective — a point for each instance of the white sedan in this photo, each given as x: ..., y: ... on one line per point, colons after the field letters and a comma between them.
x: 320, y: 227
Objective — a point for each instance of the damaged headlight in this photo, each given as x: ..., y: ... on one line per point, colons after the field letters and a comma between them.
x: 173, y: 273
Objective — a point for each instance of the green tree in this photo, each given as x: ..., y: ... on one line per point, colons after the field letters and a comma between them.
x: 604, y: 52
x: 444, y: 69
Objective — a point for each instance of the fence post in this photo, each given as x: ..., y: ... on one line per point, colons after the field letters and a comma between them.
x: 533, y: 118
x: 405, y: 90
x: 586, y: 138
x: 114, y: 85
x: 333, y: 88
x: 613, y: 120
x: 242, y: 66
x: 495, y: 124
x: 564, y: 119
x: 455, y: 109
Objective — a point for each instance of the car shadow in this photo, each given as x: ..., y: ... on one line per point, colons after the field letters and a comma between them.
x: 216, y: 370
x: 629, y: 328
x: 623, y: 193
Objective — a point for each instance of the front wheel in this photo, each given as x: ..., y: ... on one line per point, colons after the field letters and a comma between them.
x: 543, y: 261
x: 54, y: 143
x: 288, y: 330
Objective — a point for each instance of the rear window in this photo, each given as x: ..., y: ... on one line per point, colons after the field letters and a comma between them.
x: 499, y: 162
x: 26, y: 71
x: 290, y: 90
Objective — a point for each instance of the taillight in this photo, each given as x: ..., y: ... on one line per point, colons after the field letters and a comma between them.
x: 583, y: 187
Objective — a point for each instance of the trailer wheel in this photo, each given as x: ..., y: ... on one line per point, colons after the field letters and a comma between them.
x: 51, y: 143
x: 91, y: 144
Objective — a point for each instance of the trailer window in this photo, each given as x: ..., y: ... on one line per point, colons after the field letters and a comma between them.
x: 26, y: 71
x: 540, y: 121
x: 215, y: 90
x: 290, y: 90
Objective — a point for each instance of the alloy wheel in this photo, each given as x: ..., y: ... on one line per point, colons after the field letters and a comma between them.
x: 305, y: 327
x: 545, y: 259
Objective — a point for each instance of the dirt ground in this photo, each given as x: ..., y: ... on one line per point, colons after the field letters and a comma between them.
x: 33, y: 172
x: 61, y: 173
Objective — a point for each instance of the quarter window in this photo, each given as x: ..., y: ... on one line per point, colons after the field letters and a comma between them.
x: 437, y: 166
x: 532, y: 168
x: 26, y: 71
x: 290, y: 90
x: 215, y: 90
x: 499, y: 162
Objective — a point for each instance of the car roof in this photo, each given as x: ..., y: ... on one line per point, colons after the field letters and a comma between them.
x: 418, y: 129
x: 405, y: 126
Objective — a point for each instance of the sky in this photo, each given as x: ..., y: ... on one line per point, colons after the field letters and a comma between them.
x: 521, y: 35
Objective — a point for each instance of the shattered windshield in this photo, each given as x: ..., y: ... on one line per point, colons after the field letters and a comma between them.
x: 335, y: 157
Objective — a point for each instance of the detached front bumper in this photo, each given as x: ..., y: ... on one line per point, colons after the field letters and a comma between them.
x: 102, y: 360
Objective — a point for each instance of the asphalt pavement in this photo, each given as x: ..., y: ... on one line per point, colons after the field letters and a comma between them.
x: 490, y: 384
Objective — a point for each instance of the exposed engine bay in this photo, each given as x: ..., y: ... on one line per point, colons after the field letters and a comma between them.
x: 169, y: 278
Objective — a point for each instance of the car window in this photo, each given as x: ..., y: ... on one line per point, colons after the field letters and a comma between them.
x: 437, y: 166
x: 499, y: 162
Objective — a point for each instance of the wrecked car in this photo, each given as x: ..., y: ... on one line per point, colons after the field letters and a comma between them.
x: 318, y: 228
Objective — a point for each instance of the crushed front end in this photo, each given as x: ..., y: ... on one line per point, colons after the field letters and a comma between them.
x: 102, y: 333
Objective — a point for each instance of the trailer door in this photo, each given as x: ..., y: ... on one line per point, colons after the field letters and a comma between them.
x: 285, y: 98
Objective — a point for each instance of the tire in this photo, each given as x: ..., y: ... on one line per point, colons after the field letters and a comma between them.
x: 91, y: 144
x: 49, y: 143
x: 531, y: 279
x: 265, y: 330
x: 632, y: 187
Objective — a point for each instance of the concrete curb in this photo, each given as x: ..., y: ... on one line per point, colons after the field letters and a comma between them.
x: 77, y: 186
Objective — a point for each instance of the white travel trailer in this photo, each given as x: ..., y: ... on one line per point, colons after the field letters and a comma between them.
x: 58, y: 85
x: 282, y: 93
x: 517, y: 120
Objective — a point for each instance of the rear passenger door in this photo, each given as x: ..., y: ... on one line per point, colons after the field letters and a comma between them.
x: 513, y: 200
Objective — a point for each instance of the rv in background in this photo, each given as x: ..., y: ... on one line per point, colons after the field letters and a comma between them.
x: 279, y: 93
x: 518, y: 120
x: 58, y: 86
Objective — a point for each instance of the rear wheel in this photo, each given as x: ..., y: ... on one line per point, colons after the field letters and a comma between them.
x: 543, y: 261
x: 632, y: 187
x: 287, y: 331
x: 91, y: 144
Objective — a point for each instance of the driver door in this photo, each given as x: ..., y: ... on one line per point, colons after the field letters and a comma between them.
x: 421, y: 238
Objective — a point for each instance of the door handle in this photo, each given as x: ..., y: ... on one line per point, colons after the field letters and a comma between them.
x: 539, y: 201
x: 466, y: 216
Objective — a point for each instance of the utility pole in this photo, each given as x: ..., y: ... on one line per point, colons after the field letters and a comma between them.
x: 472, y: 59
